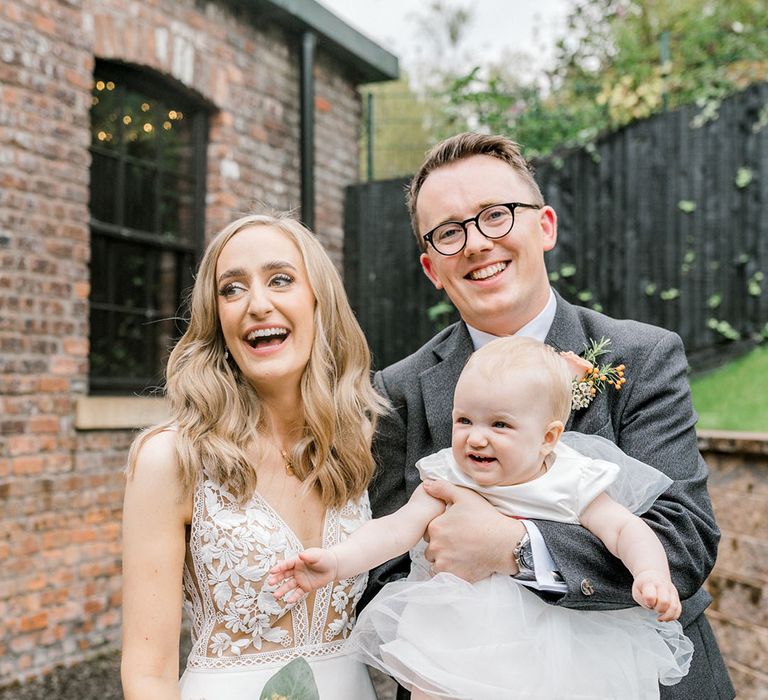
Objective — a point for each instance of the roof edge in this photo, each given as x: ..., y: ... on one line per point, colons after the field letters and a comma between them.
x: 370, y: 61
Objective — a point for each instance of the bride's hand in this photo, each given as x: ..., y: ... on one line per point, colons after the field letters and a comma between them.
x: 471, y: 539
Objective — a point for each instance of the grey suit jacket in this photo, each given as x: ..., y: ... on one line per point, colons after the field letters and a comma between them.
x: 651, y: 419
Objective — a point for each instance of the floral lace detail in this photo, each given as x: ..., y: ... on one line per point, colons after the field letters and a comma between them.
x: 236, y: 619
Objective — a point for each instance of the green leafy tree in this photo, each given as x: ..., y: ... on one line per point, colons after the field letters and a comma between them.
x: 626, y: 59
x: 619, y: 60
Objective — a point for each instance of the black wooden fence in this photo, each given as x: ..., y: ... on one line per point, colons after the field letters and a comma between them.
x: 664, y: 221
x: 382, y: 274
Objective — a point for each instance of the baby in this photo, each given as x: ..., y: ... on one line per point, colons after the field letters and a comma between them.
x: 510, y: 407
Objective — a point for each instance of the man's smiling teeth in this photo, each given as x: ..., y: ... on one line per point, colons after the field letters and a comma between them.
x: 486, y: 272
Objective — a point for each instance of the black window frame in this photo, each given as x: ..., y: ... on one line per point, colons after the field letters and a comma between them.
x: 186, y: 252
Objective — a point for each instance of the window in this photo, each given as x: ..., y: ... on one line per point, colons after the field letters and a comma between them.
x: 147, y: 223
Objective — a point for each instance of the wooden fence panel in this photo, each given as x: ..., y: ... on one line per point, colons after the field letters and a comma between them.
x: 663, y: 221
x: 382, y: 274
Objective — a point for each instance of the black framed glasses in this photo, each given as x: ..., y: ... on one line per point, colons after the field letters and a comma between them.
x: 494, y: 221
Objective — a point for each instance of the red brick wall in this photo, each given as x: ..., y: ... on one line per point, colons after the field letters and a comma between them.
x: 60, y: 487
x: 738, y: 484
x: 45, y: 75
x: 336, y: 159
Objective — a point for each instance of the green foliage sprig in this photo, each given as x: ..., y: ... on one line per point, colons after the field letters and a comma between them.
x: 596, y: 376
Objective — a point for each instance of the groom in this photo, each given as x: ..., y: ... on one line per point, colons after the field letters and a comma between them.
x: 496, y: 277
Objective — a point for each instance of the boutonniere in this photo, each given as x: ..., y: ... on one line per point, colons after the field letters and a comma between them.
x: 589, y: 376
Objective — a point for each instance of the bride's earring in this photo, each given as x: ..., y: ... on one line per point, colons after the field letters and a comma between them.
x: 226, y: 352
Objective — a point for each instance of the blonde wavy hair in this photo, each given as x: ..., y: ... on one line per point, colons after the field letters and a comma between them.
x: 538, y: 362
x: 217, y: 414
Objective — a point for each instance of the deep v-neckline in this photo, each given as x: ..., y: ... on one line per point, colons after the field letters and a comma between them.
x: 324, y: 536
x: 232, y: 546
x: 317, y: 613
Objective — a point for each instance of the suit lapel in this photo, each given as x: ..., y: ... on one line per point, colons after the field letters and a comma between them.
x: 567, y: 333
x: 439, y: 382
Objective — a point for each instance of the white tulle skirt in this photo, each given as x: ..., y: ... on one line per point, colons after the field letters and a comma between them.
x: 495, y: 639
x: 338, y: 678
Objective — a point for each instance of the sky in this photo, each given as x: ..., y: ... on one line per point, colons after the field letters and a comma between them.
x: 498, y: 27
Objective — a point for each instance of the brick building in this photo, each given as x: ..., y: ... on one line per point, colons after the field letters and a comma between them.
x: 129, y: 131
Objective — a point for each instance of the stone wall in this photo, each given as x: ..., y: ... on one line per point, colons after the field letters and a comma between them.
x: 60, y: 486
x: 738, y: 484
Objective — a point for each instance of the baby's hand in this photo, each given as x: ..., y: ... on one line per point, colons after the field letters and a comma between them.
x: 307, y: 572
x: 654, y: 590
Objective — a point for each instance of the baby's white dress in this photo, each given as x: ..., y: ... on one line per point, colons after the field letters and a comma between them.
x: 495, y: 638
x: 241, y: 634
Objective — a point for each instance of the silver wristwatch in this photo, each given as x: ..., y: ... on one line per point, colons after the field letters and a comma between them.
x: 523, y: 554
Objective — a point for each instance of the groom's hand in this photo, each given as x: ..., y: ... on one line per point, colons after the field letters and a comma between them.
x: 471, y: 539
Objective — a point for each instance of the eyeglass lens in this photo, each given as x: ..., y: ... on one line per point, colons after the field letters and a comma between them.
x: 492, y: 222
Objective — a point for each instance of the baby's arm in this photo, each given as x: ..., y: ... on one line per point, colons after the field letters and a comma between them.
x: 629, y: 538
x: 374, y: 543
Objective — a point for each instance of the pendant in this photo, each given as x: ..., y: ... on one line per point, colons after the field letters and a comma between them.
x: 287, y: 464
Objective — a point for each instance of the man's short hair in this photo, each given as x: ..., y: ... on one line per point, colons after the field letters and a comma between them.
x: 463, y: 146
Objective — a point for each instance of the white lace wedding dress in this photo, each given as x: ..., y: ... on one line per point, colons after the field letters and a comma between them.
x: 241, y: 634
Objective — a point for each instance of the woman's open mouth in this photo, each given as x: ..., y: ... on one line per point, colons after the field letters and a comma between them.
x: 267, y: 337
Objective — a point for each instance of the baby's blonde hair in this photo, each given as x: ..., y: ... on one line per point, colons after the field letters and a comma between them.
x: 539, y: 363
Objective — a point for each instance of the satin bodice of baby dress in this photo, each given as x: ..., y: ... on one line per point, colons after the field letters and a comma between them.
x: 241, y: 633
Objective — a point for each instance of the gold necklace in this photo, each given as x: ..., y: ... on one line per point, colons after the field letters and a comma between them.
x: 287, y: 463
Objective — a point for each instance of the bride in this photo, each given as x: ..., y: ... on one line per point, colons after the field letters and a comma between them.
x: 267, y: 453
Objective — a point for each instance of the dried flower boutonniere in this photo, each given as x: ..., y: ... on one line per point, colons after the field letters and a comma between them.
x: 590, y: 377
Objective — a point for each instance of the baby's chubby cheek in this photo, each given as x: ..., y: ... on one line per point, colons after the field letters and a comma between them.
x: 457, y: 449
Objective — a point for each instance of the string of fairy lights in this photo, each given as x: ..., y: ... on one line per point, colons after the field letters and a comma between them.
x: 141, y: 122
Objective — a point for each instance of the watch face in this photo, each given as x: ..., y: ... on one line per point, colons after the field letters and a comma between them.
x: 526, y: 557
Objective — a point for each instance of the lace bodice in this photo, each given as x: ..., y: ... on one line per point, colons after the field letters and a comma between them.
x: 236, y: 620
